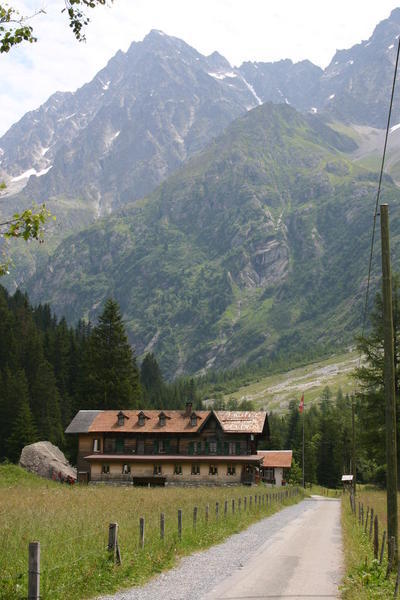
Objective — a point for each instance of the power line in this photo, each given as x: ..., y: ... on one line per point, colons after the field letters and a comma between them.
x: 379, y: 190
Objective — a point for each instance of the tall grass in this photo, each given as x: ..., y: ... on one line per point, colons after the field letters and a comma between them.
x: 365, y: 578
x: 71, y: 524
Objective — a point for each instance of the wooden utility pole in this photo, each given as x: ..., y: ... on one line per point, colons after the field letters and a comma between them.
x: 389, y: 386
x: 353, y: 448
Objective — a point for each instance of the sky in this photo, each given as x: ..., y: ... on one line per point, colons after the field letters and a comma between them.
x: 262, y: 30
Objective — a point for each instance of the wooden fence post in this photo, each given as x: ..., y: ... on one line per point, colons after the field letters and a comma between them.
x: 194, y: 517
x: 162, y: 525
x: 362, y: 515
x: 233, y: 506
x: 250, y: 501
x: 216, y: 510
x: 239, y: 504
x: 376, y: 538
x: 113, y: 539
x: 226, y: 508
x: 396, y: 587
x: 366, y: 520
x: 180, y: 523
x: 245, y: 503
x: 34, y: 571
x: 391, y: 552
x: 371, y: 523
x: 383, y: 547
x: 207, y: 511
x: 359, y: 513
x: 141, y: 532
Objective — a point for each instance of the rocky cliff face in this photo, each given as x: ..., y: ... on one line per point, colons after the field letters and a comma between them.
x: 153, y: 107
x: 119, y: 136
x: 255, y: 243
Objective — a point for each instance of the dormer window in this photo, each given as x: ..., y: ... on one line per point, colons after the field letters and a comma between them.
x: 162, y: 418
x: 142, y: 418
x: 121, y: 418
x: 193, y: 420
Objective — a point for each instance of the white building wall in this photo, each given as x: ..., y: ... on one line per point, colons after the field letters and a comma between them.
x: 278, y: 471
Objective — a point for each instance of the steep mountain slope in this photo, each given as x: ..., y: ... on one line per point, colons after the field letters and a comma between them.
x: 118, y: 137
x: 152, y: 108
x: 258, y: 245
x: 356, y: 85
x: 286, y: 82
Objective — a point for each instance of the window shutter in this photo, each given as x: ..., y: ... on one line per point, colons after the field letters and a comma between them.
x: 237, y: 451
x: 226, y: 448
x: 191, y: 447
x: 167, y: 446
x: 206, y: 446
x: 155, y: 446
x: 219, y: 451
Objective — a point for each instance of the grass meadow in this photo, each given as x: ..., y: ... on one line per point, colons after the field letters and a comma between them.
x: 365, y: 578
x: 71, y: 524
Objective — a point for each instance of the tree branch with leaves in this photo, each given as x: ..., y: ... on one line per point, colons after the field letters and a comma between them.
x: 28, y: 225
x: 15, y: 27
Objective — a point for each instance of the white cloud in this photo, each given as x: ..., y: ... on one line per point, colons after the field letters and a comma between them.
x: 238, y: 29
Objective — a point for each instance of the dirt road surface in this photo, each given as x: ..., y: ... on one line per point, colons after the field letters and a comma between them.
x: 302, y: 561
x: 296, y: 554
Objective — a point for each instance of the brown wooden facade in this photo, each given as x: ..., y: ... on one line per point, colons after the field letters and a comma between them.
x: 170, y: 445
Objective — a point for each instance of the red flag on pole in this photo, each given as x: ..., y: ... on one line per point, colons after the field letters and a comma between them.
x: 301, y: 405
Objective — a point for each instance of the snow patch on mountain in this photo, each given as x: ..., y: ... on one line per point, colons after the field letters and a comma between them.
x: 66, y: 118
x: 252, y: 90
x: 30, y: 172
x: 222, y: 75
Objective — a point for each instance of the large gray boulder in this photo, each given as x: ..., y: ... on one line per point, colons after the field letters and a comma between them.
x: 46, y: 460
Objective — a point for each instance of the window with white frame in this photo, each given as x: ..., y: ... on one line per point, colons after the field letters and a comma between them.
x: 126, y: 469
x: 195, y: 469
x: 178, y: 470
x: 96, y: 445
x: 213, y: 470
x: 231, y: 470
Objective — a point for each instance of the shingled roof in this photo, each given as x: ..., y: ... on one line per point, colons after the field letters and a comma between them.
x: 276, y: 458
x: 177, y: 421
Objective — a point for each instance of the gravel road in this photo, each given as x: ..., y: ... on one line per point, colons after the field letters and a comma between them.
x: 296, y: 553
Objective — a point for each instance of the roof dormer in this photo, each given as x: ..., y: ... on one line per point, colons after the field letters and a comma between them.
x: 193, y: 419
x: 121, y: 418
x: 142, y: 418
x: 162, y: 419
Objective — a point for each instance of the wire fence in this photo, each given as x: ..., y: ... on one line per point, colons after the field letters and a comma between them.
x: 384, y: 549
x: 142, y: 542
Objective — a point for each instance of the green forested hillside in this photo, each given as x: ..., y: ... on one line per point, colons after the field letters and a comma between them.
x: 49, y: 371
x: 256, y: 249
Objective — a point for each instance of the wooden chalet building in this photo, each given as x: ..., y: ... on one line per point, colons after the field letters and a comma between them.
x: 169, y: 446
x: 275, y: 464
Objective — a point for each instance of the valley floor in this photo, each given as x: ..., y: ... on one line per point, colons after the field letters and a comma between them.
x: 296, y: 553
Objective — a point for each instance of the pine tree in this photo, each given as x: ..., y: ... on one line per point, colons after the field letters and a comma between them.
x: 45, y: 405
x: 23, y: 433
x: 112, y: 380
x: 370, y: 403
x: 152, y: 381
x: 13, y: 390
